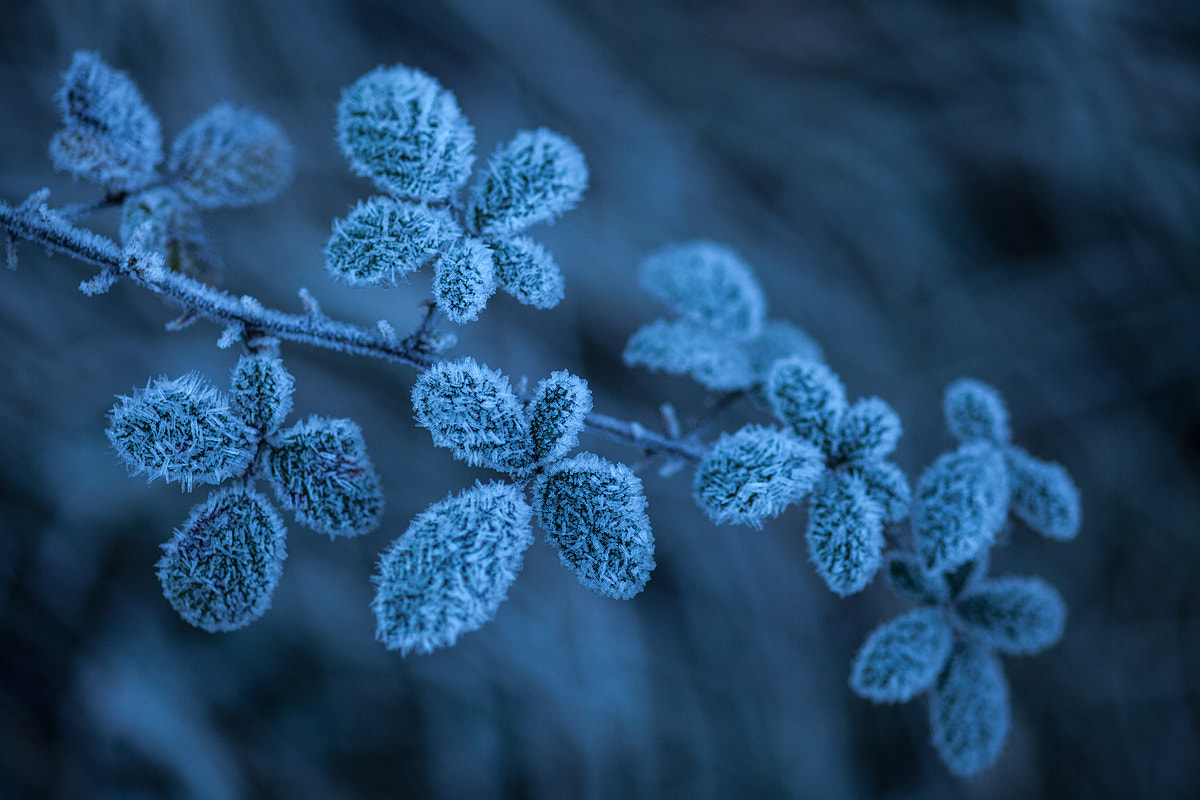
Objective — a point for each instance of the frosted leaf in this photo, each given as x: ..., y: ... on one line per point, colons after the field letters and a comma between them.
x: 753, y: 474
x: 557, y: 414
x: 680, y: 347
x: 1015, y: 615
x: 968, y: 709
x: 845, y: 533
x: 868, y: 431
x: 527, y: 272
x: 261, y: 392
x: 960, y: 504
x: 594, y: 512
x: 708, y: 284
x: 220, y: 569
x: 320, y: 468
x: 534, y: 178
x: 473, y: 411
x: 779, y: 340
x: 181, y: 430
x: 450, y: 570
x: 382, y: 240
x: 903, y: 657
x: 230, y: 157
x: 463, y: 280
x: 1043, y: 495
x: 809, y: 397
x: 887, y: 485
x: 110, y: 136
x: 908, y: 578
x: 400, y: 128
x: 975, y: 410
x: 161, y: 220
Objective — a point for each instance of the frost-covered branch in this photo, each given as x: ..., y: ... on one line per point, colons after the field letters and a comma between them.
x: 36, y: 222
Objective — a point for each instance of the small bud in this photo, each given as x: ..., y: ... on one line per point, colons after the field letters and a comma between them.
x: 261, y: 392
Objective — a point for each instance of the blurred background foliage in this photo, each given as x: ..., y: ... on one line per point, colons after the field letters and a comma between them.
x: 1008, y: 190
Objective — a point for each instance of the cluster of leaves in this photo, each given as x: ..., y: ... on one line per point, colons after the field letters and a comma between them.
x: 403, y: 130
x: 226, y: 158
x: 835, y: 454
x: 451, y: 569
x: 948, y: 647
x: 721, y: 337
x: 220, y: 569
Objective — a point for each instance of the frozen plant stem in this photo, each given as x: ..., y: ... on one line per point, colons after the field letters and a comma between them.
x: 38, y: 223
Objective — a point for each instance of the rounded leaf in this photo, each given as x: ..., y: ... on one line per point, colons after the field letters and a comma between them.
x: 220, y: 569
x: 961, y: 503
x: 809, y: 397
x: 181, y: 430
x: 680, y: 347
x: 594, y: 512
x: 868, y: 431
x: 383, y: 240
x: 320, y: 468
x: 968, y: 709
x: 110, y: 136
x: 534, y: 178
x: 708, y: 284
x: 260, y: 392
x: 1043, y: 495
x: 975, y: 410
x: 464, y: 279
x: 557, y: 415
x: 450, y: 570
x: 230, y: 157
x: 400, y: 128
x: 903, y: 657
x: 845, y: 532
x: 473, y: 411
x: 527, y: 272
x: 1015, y: 615
x: 753, y: 474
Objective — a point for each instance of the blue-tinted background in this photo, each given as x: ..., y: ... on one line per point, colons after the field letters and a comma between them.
x: 932, y: 188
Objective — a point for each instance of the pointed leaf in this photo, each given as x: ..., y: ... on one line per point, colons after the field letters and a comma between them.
x: 845, y: 532
x: 260, y: 391
x: 382, y: 240
x: 527, y: 272
x: 320, y: 468
x: 753, y: 474
x: 451, y: 569
x: 1043, y: 495
x: 594, y: 512
x: 473, y: 411
x: 557, y: 415
x: 464, y: 279
x: 968, y: 709
x: 809, y: 397
x: 181, y: 430
x: 1015, y: 615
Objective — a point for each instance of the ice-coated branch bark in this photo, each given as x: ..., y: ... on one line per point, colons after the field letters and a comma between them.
x: 36, y: 222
